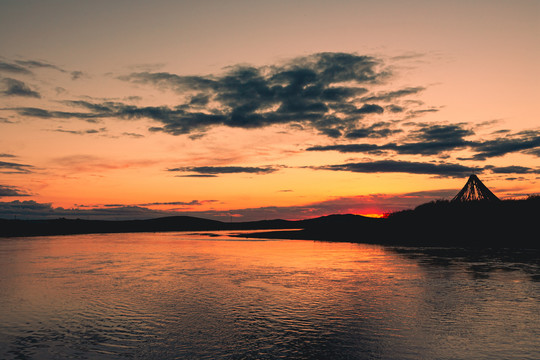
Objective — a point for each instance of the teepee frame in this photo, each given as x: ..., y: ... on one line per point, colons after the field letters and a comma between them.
x: 475, y: 190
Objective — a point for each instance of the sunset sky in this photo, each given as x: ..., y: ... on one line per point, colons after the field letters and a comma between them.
x: 249, y: 110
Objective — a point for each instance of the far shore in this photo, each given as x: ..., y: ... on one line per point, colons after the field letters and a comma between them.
x: 509, y: 223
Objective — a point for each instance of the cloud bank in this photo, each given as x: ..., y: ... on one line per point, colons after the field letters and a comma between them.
x: 437, y: 139
x: 335, y: 94
x: 323, y: 91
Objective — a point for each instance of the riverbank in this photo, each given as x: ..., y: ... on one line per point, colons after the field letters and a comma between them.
x: 510, y: 223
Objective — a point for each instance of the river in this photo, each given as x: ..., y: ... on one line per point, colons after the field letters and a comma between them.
x: 212, y: 296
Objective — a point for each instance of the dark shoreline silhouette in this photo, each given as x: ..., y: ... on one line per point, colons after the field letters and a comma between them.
x: 507, y: 223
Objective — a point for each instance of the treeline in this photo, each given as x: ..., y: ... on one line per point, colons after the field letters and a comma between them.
x: 507, y: 223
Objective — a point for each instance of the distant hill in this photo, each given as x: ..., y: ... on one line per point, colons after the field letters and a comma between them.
x: 508, y: 223
x: 64, y: 226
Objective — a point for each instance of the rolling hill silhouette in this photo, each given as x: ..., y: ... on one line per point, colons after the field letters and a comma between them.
x: 506, y: 223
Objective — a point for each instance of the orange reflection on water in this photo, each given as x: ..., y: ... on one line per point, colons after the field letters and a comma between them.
x: 213, y: 296
x: 163, y: 257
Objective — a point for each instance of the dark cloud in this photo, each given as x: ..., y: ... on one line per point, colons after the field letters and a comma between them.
x: 432, y: 139
x: 393, y: 166
x: 437, y: 132
x: 436, y: 139
x: 369, y: 109
x: 329, y: 92
x: 6, y: 190
x: 215, y: 170
x: 395, y: 108
x: 33, y: 210
x: 308, y: 90
x: 419, y: 112
x: 426, y: 139
x: 376, y: 130
x: 81, y: 132
x: 321, y: 91
x: 38, y: 64
x: 419, y: 148
x: 13, y: 87
x: 134, y: 135
x: 525, y: 141
x: 348, y: 148
x: 46, y: 114
x: 180, y: 203
x: 169, y: 203
x: 513, y: 169
x: 14, y: 168
x: 198, y: 176
x: 534, y: 151
x: 392, y: 95
x: 75, y: 75
x: 13, y: 68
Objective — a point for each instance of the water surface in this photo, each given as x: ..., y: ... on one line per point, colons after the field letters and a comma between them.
x: 197, y: 296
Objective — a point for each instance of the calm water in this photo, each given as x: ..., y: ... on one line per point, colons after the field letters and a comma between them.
x: 187, y: 296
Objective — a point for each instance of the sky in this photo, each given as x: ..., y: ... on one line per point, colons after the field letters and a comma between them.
x: 248, y: 110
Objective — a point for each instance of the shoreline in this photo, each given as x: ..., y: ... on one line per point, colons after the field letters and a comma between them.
x: 510, y: 223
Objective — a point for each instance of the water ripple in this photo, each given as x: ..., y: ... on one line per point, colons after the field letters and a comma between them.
x: 180, y: 296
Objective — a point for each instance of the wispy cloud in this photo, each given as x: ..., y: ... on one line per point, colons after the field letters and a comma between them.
x: 81, y: 132
x: 392, y: 95
x: 31, y: 209
x: 38, y: 64
x: 6, y: 190
x: 14, y: 168
x: 219, y: 170
x: 23, y: 66
x: 376, y: 130
x: 6, y: 121
x: 179, y: 203
x: 46, y: 114
x: 411, y: 167
x: 84, y: 163
x: 75, y: 75
x: 13, y: 68
x: 14, y: 87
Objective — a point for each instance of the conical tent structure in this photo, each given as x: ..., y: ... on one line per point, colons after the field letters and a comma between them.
x: 475, y: 190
